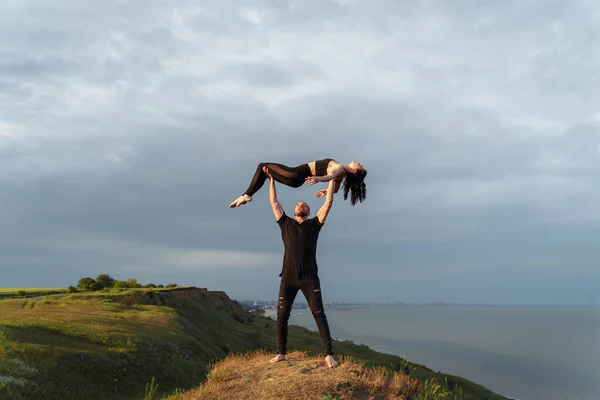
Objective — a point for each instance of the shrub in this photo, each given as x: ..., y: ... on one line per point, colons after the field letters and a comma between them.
x: 120, y: 285
x: 72, y: 289
x: 105, y: 281
x: 131, y: 283
x: 87, y: 283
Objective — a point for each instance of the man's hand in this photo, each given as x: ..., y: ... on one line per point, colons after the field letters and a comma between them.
x: 267, y: 173
x: 311, y: 180
x: 320, y: 193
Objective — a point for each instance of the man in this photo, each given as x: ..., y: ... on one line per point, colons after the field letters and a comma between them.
x: 299, y: 271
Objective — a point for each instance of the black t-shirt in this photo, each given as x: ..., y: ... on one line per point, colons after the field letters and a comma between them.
x: 300, y: 243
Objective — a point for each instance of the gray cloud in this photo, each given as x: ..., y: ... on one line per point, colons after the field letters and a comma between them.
x: 126, y: 131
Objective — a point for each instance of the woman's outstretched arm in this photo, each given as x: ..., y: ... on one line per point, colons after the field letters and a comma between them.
x: 311, y: 180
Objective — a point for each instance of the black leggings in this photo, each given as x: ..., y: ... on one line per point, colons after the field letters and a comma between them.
x: 289, y: 176
x: 311, y: 288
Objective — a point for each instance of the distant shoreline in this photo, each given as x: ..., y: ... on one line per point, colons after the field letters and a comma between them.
x: 436, y: 305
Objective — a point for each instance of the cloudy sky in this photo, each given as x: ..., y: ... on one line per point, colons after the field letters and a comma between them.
x: 127, y: 128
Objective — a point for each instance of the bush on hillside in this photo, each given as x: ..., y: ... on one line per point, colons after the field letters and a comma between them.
x: 105, y: 281
x: 131, y: 283
x: 87, y: 283
x: 120, y: 285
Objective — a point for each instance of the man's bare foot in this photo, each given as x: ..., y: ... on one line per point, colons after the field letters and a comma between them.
x: 279, y: 357
x: 243, y: 199
x: 330, y: 361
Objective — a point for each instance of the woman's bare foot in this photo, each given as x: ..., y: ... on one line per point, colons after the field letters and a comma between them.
x: 243, y: 199
x: 330, y: 361
x: 279, y: 357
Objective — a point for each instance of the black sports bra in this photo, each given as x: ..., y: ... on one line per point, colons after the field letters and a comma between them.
x: 321, y: 166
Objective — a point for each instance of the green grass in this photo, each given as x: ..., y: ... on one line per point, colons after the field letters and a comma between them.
x: 29, y: 291
x: 115, y: 344
x: 7, y: 293
x: 15, y: 290
x: 88, y: 345
x: 11, y: 293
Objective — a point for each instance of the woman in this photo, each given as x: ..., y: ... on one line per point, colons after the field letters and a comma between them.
x: 324, y: 170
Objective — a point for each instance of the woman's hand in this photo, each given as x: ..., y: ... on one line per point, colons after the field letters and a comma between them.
x: 311, y: 180
x: 320, y: 193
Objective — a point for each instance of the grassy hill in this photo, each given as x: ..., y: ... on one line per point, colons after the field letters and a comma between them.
x: 299, y: 377
x: 142, y: 343
x: 303, y: 376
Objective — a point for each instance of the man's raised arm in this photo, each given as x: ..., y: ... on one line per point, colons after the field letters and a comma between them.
x: 277, y: 209
x: 324, y: 210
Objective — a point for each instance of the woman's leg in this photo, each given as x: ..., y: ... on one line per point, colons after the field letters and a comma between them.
x: 289, y: 176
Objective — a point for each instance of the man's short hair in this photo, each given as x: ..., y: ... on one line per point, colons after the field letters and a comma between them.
x: 305, y: 203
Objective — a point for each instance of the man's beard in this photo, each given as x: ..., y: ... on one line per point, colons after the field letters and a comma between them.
x: 301, y: 214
